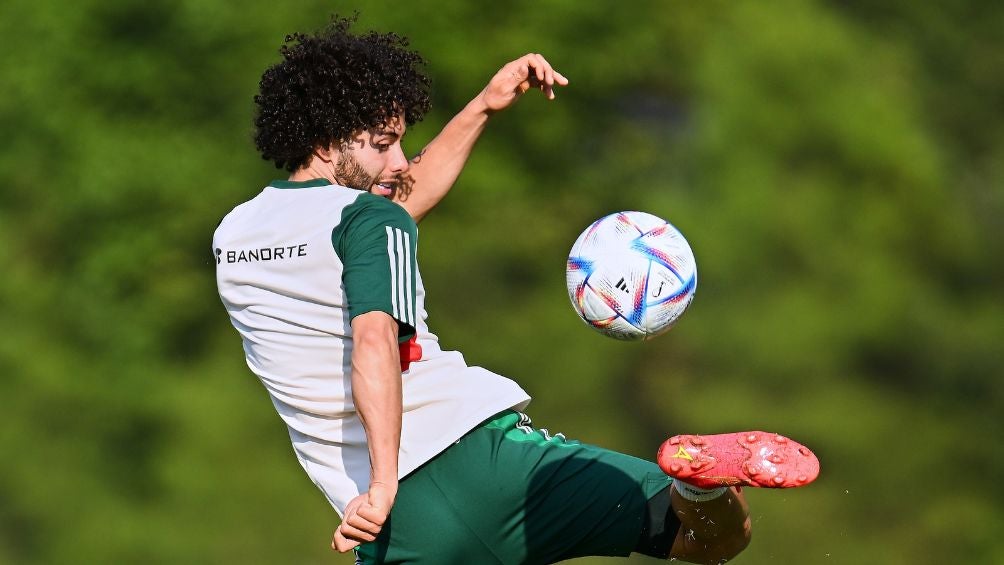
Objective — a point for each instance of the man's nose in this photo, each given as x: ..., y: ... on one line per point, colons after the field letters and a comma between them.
x: 399, y: 164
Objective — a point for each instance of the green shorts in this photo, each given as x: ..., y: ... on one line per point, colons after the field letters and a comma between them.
x: 507, y: 493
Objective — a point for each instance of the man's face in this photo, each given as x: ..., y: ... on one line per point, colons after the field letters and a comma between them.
x: 373, y: 159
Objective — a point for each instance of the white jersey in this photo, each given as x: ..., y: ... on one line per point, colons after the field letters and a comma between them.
x: 294, y: 265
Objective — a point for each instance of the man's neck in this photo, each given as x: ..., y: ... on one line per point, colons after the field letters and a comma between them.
x: 311, y: 173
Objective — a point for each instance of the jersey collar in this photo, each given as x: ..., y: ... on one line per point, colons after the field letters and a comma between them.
x: 312, y: 183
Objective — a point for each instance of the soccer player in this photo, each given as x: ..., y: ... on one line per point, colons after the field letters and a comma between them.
x: 427, y: 459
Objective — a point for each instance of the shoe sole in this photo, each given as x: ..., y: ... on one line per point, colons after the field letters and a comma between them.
x: 755, y: 459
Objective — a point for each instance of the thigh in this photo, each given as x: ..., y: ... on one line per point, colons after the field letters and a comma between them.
x: 512, y: 494
x: 535, y: 497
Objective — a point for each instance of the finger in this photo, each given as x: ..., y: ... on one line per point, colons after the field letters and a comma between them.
x: 548, y: 70
x: 545, y: 77
x: 363, y: 524
x: 374, y: 515
x: 352, y: 506
x: 533, y: 60
x: 547, y: 83
x: 342, y: 544
x: 551, y: 77
x: 352, y: 532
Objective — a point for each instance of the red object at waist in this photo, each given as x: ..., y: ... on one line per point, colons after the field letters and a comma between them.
x: 410, y: 351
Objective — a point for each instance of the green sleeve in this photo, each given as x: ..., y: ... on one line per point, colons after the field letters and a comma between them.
x: 376, y: 242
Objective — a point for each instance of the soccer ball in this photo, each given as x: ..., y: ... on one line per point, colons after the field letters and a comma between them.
x: 631, y: 275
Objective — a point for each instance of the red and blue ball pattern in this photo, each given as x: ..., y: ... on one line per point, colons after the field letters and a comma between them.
x: 631, y: 275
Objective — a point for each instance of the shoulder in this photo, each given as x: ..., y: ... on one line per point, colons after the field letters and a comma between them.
x: 371, y: 209
x: 372, y: 219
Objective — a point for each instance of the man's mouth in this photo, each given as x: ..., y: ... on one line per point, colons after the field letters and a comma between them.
x: 385, y: 189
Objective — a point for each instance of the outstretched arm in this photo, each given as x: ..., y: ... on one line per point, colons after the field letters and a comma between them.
x: 437, y: 167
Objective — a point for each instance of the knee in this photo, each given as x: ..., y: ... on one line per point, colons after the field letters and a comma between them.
x: 737, y: 542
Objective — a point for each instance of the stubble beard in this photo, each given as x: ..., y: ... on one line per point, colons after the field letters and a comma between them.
x: 348, y: 172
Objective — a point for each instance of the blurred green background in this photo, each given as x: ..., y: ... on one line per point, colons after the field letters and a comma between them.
x: 837, y: 167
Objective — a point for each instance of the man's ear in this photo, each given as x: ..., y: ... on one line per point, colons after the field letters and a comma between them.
x: 327, y: 154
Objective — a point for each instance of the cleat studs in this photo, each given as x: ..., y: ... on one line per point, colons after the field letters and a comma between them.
x: 802, y: 478
x: 698, y: 440
x: 804, y: 451
x: 777, y: 458
x: 675, y: 440
x: 778, y: 480
x: 675, y: 467
x: 751, y: 438
x: 780, y: 439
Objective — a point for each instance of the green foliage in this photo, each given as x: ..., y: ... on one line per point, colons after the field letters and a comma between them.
x: 836, y: 167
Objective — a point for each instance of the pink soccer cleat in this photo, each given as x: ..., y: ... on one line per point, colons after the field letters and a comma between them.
x: 755, y: 459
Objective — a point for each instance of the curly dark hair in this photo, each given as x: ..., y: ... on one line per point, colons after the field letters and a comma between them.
x: 331, y: 85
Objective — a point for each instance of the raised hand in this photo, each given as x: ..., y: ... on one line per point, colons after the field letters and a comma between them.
x: 516, y: 77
